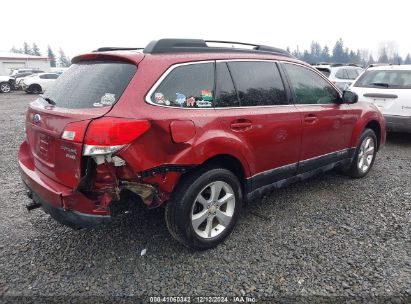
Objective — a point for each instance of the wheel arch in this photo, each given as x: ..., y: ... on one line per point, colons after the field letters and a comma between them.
x: 370, y: 122
x: 375, y: 126
x: 229, y: 162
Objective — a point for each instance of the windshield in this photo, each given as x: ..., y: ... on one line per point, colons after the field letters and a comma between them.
x: 385, y: 79
x: 91, y: 84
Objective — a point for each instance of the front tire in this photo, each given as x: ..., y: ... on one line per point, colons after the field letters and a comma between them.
x: 5, y: 87
x: 204, y: 208
x: 364, y: 156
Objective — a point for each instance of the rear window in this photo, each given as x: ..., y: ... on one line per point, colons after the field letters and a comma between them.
x: 385, y: 79
x: 341, y: 74
x: 91, y: 84
x: 326, y: 72
x: 352, y: 73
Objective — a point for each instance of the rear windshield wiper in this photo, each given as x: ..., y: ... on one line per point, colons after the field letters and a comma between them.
x: 380, y: 84
x: 50, y: 101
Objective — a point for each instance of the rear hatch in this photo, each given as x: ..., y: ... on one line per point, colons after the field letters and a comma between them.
x: 389, y: 90
x: 86, y: 91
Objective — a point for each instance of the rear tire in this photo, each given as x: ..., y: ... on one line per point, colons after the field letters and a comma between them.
x: 204, y: 208
x: 5, y: 87
x: 35, y: 89
x: 364, y: 156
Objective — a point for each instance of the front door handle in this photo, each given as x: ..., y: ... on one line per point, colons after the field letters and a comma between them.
x: 311, y: 119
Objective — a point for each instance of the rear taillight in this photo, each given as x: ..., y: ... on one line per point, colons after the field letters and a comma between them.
x: 105, y: 135
x: 108, y: 134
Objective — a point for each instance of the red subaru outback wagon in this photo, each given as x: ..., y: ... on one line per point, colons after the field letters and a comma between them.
x: 192, y: 125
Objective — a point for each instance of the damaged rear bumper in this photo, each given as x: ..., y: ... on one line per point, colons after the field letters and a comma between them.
x: 71, y: 218
x: 64, y: 204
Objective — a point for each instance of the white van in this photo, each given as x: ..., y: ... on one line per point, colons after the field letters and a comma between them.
x: 389, y: 88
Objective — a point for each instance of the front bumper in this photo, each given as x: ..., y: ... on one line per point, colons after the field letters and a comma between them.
x: 64, y: 204
x: 396, y: 123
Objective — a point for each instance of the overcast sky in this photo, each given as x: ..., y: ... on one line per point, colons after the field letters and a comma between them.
x: 81, y: 26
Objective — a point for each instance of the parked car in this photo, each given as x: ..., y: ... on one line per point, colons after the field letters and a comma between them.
x: 6, y: 84
x: 389, y: 88
x: 38, y: 83
x: 198, y: 129
x: 340, y: 75
x: 19, y: 75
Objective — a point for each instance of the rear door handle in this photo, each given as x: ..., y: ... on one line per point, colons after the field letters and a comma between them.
x: 311, y: 119
x: 240, y: 125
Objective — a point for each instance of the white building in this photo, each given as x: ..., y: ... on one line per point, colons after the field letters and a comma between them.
x: 10, y: 61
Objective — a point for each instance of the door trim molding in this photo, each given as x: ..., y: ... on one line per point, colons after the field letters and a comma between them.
x: 287, y: 174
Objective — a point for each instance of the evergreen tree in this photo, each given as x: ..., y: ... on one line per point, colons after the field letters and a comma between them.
x: 338, y: 52
x: 315, y: 52
x: 396, y: 59
x: 16, y: 50
x: 357, y: 58
x: 26, y: 49
x: 297, y: 53
x: 346, y: 55
x: 325, y: 54
x: 51, y: 56
x: 407, y: 59
x: 307, y: 57
x: 64, y: 61
x: 351, y: 57
x: 383, y: 58
x: 371, y: 60
x: 36, y: 50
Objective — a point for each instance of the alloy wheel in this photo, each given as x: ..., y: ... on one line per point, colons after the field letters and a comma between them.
x: 213, y: 209
x: 366, y: 155
x: 5, y: 87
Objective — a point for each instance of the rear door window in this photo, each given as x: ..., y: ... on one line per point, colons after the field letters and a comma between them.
x: 258, y: 83
x: 226, y: 93
x: 89, y: 84
x: 187, y: 86
x: 309, y: 87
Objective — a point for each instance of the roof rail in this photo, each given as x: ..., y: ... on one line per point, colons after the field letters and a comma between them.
x: 163, y: 46
x: 111, y: 48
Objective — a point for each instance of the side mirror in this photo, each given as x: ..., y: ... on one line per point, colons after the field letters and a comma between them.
x: 349, y: 97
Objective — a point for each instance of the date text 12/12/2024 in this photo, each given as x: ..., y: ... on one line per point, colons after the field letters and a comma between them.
x: 203, y: 299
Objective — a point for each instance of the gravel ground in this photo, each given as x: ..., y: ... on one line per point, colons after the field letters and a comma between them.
x: 326, y: 239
